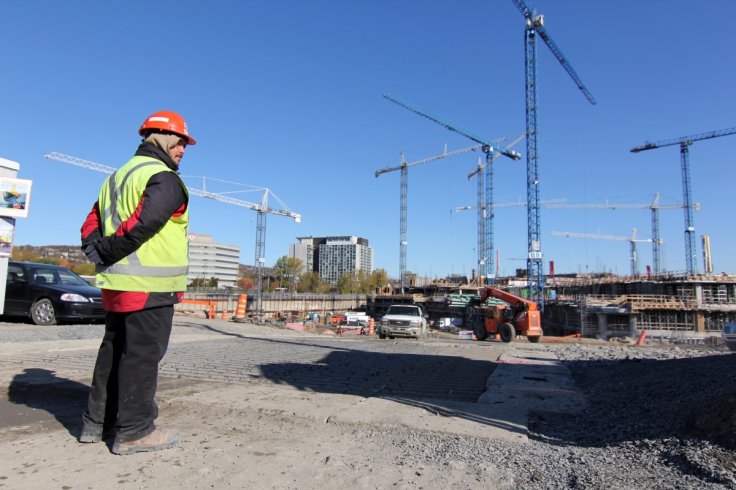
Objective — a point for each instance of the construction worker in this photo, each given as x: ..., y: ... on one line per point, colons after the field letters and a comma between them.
x: 136, y: 234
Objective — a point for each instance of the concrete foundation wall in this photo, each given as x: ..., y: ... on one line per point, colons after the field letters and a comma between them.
x: 273, y: 305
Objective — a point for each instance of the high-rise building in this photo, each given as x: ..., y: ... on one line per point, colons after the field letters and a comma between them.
x: 208, y: 259
x: 333, y: 256
x: 305, y: 250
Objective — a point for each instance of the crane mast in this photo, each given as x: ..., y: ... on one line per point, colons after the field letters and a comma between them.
x: 632, y: 244
x: 534, y: 26
x: 404, y: 191
x: 261, y: 210
x: 489, y: 148
x: 486, y: 215
x: 654, y: 207
x: 684, y: 143
x: 403, y: 224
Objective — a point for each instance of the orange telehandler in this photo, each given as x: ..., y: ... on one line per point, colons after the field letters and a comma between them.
x: 518, y: 316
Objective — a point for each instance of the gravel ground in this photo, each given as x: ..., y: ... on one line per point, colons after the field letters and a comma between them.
x: 656, y: 418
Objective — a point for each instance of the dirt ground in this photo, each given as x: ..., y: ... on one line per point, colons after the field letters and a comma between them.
x: 233, y: 436
x: 264, y: 407
x: 221, y: 447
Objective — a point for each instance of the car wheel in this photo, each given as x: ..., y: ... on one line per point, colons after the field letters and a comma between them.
x: 42, y: 312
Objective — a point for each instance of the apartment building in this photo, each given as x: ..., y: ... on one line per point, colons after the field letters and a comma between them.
x: 333, y: 256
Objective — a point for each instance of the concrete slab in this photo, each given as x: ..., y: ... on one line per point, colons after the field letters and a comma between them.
x: 530, y: 378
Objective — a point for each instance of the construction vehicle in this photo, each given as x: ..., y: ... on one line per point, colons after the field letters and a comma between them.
x: 510, y: 317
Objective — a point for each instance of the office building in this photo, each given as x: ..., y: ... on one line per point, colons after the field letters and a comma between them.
x: 208, y: 259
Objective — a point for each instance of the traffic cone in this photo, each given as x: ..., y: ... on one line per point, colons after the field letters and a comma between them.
x: 371, y: 327
x: 642, y: 338
x: 240, y: 310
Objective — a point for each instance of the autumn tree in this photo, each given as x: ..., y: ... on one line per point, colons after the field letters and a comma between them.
x: 287, y: 270
x: 87, y: 269
x: 377, y: 280
x: 311, y: 282
x: 25, y: 253
x: 246, y: 283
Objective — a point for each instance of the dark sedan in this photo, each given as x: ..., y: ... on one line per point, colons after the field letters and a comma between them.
x: 48, y: 294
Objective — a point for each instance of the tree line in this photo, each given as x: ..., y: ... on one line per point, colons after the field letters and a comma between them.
x: 291, y: 275
x: 287, y: 274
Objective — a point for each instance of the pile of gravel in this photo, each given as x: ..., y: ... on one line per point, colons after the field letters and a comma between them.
x: 656, y: 418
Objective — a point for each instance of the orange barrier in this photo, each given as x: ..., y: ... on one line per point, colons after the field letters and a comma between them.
x: 642, y: 338
x: 242, y: 304
x: 563, y: 337
x: 350, y: 330
x: 211, y: 304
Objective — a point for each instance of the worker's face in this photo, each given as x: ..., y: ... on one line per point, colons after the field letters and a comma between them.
x: 177, y: 152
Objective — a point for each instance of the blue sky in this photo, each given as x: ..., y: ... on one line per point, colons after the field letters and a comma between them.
x: 288, y: 95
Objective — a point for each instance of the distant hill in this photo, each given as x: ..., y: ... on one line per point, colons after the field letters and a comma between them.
x: 71, y: 253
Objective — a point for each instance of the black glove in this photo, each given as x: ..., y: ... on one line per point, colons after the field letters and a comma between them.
x: 91, y: 252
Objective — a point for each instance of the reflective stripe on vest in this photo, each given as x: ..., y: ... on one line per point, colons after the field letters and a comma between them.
x: 115, y: 192
x: 169, y: 247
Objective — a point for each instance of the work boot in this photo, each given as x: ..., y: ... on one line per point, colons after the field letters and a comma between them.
x: 91, y: 432
x: 155, y: 441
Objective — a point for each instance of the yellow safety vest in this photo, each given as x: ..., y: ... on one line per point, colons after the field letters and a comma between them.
x: 160, y: 264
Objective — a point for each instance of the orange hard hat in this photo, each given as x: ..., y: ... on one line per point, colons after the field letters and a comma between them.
x: 167, y: 121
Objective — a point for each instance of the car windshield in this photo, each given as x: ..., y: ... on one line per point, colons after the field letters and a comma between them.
x: 53, y: 275
x: 403, y: 310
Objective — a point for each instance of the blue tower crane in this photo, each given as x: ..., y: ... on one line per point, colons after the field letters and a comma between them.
x: 486, y: 212
x: 534, y: 26
x: 485, y: 262
x: 685, y: 142
x: 404, y: 186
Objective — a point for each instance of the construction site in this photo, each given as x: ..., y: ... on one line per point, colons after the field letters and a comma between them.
x: 688, y: 305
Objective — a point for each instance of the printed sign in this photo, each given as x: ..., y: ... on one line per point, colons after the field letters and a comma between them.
x: 15, y: 197
x: 7, y: 228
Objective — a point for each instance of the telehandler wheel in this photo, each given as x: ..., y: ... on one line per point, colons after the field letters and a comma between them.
x: 535, y: 338
x: 480, y: 332
x: 507, y: 332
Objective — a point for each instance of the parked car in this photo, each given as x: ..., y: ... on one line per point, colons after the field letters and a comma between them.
x: 48, y: 294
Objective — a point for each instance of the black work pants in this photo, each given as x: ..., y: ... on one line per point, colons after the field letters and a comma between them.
x: 126, y: 372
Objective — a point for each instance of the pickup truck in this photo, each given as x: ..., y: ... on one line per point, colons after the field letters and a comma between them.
x: 403, y: 321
